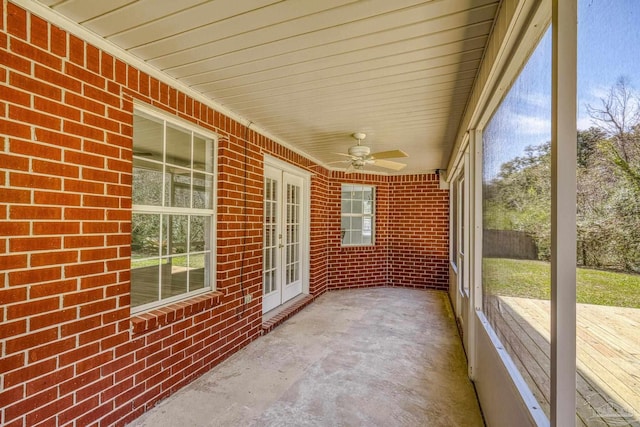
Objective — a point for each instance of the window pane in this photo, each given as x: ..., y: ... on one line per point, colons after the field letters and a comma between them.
x: 147, y: 183
x: 202, y: 191
x: 202, y: 154
x: 145, y: 235
x: 175, y: 233
x: 174, y: 276
x: 608, y: 213
x: 200, y: 228
x: 516, y: 221
x: 147, y: 137
x: 198, y: 271
x: 178, y: 146
x: 178, y: 189
x: 145, y: 275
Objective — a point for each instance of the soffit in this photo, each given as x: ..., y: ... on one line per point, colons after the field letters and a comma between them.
x: 311, y: 73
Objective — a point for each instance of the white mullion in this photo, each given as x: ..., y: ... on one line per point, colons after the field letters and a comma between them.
x: 563, y: 213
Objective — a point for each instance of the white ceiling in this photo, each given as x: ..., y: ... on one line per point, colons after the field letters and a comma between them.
x: 313, y: 72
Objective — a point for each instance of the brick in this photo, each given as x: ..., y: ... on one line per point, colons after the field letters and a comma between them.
x: 58, y: 41
x: 24, y: 244
x: 9, y: 329
x: 32, y: 307
x: 35, y: 86
x: 39, y: 32
x: 29, y: 372
x: 56, y: 109
x: 31, y: 340
x: 56, y: 227
x: 100, y: 175
x: 15, y: 128
x: 56, y: 198
x: 83, y: 130
x: 52, y: 318
x: 30, y: 403
x: 54, y: 168
x: 103, y: 150
x: 12, y: 262
x: 13, y: 162
x: 84, y: 103
x: 11, y: 195
x: 107, y: 65
x: 59, y: 139
x: 78, y: 409
x: 35, y: 150
x: 82, y: 297
x: 88, y: 214
x: 53, y: 288
x: 14, y: 228
x: 84, y: 159
x: 14, y: 96
x: 14, y: 62
x: 83, y: 241
x: 34, y: 212
x: 51, y: 349
x: 76, y: 51
x: 98, y: 254
x: 100, y: 201
x: 35, y: 275
x: 16, y: 21
x: 18, y: 179
x: 79, y: 186
x: 49, y: 380
x: 35, y: 54
x: 84, y: 269
x: 11, y: 396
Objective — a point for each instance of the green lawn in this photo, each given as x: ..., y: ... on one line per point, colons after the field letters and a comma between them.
x: 531, y: 279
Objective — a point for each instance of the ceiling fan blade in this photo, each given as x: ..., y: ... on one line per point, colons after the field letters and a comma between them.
x: 339, y: 161
x: 388, y: 154
x: 388, y: 164
x: 344, y: 154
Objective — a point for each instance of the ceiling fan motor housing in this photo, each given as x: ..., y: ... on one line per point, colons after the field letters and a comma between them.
x: 359, y: 151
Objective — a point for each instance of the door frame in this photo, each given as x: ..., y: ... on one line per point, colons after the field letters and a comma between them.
x: 305, y: 226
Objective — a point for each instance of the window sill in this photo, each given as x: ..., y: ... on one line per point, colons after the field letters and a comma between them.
x: 158, y: 317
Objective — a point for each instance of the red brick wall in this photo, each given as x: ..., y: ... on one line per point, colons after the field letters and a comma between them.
x: 70, y: 352
x: 411, y: 243
x: 418, y: 232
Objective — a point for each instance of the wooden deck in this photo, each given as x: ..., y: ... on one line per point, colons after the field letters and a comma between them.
x: 608, y: 350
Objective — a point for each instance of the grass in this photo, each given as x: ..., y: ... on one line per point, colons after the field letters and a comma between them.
x: 531, y: 279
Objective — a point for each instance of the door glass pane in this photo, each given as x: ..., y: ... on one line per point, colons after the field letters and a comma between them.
x: 517, y: 221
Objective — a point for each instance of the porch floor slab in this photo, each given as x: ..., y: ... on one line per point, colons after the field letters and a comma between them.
x: 362, y: 357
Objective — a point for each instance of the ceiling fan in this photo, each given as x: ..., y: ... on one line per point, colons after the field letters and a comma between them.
x: 361, y: 155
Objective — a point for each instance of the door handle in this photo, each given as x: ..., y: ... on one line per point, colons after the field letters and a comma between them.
x: 281, y: 246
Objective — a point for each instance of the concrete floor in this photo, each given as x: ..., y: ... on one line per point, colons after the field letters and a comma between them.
x: 363, y: 357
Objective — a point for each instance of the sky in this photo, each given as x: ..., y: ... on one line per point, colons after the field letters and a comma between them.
x: 608, y: 48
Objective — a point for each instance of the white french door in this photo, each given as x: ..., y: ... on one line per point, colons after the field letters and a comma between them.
x: 284, y: 237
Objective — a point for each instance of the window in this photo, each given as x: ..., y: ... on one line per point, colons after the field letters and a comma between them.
x: 173, y: 211
x: 358, y: 213
x: 516, y: 220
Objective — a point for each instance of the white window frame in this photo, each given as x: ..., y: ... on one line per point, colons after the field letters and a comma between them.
x: 362, y: 215
x: 169, y: 120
